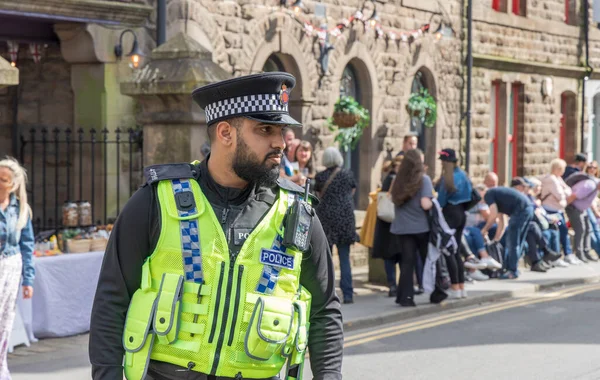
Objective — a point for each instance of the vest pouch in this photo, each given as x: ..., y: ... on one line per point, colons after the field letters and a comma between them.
x: 301, y: 336
x: 137, y: 337
x: 166, y: 317
x: 269, y: 327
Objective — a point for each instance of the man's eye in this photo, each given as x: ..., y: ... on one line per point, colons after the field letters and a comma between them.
x: 266, y: 129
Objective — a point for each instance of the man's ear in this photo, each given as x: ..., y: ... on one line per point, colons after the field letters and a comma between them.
x: 224, y: 132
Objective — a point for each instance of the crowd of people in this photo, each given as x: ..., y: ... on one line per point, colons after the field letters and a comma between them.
x: 492, y: 226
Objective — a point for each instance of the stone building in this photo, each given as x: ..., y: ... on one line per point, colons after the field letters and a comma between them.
x: 529, y: 65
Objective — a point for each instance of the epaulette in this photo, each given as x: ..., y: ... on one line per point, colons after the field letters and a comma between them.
x: 288, y: 185
x: 156, y: 173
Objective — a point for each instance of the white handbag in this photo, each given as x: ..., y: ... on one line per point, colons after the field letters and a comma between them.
x: 385, y: 207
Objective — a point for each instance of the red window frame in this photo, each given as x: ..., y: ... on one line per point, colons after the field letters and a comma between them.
x: 496, y: 5
x: 516, y: 91
x: 496, y: 138
x: 519, y: 7
x: 567, y: 6
x: 516, y: 7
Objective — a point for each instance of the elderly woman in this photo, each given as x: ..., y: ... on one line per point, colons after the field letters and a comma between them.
x: 16, y: 250
x: 336, y: 187
x: 554, y: 200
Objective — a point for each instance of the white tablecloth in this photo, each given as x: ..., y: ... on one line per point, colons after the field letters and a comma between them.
x: 63, y: 294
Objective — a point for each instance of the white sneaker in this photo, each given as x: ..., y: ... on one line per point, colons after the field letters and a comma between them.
x: 463, y: 293
x: 491, y: 263
x: 573, y: 260
x: 560, y: 263
x: 478, y: 276
x: 474, y: 263
x: 454, y: 294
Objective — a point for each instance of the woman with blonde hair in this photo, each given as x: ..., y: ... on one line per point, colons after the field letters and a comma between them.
x: 554, y: 200
x: 16, y: 249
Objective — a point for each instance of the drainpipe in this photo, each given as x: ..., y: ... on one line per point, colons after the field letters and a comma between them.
x: 469, y: 76
x: 161, y: 22
x: 588, y: 69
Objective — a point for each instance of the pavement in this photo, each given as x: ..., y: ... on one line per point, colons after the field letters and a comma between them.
x: 546, y: 335
x: 372, y: 307
x: 66, y: 358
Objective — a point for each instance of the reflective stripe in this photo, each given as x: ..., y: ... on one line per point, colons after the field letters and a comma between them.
x: 190, y: 327
x: 194, y: 308
x: 190, y: 239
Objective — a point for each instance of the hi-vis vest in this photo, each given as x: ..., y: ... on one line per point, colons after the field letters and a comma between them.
x: 202, y: 309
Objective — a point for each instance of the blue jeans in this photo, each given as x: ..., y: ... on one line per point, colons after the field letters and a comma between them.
x: 565, y: 240
x: 346, y: 271
x: 595, y: 229
x: 515, y: 237
x: 552, y: 236
x: 390, y: 272
x: 474, y: 239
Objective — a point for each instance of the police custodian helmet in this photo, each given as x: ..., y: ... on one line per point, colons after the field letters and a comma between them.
x: 262, y: 97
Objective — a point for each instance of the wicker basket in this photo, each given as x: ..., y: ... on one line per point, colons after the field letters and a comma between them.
x: 98, y: 245
x: 79, y: 246
x: 345, y: 120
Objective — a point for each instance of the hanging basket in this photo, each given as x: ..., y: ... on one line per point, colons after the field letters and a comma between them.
x: 345, y: 120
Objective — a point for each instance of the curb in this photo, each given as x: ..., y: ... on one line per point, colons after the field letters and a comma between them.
x: 428, y: 309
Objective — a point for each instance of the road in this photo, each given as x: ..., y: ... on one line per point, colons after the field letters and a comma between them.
x: 552, y: 335
x: 549, y: 335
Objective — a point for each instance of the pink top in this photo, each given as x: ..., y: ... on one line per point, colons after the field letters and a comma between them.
x: 554, y: 193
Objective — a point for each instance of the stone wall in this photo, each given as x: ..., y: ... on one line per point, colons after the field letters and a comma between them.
x: 45, y: 99
x: 510, y: 48
x: 242, y: 34
x: 541, y: 119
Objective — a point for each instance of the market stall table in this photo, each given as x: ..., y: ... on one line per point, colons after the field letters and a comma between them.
x: 63, y: 294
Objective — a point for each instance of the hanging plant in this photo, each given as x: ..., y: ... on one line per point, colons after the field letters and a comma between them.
x: 349, y: 120
x: 422, y: 106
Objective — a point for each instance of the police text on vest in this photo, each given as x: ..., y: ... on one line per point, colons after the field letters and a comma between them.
x: 276, y: 258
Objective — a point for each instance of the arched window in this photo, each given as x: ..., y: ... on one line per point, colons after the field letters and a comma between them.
x: 349, y: 84
x: 416, y: 126
x: 273, y: 64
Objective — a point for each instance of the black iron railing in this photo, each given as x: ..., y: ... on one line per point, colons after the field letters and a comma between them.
x: 80, y: 165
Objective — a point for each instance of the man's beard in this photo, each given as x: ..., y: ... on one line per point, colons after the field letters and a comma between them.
x: 251, y: 169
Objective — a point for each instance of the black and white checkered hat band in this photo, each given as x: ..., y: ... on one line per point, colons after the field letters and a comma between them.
x: 243, y: 105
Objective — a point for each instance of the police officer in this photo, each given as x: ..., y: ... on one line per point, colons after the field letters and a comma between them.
x: 198, y: 281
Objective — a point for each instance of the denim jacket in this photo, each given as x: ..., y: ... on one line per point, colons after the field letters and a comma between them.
x: 463, y: 190
x: 13, y: 242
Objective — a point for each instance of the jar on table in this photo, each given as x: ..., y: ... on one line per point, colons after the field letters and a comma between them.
x: 85, y: 213
x: 70, y: 214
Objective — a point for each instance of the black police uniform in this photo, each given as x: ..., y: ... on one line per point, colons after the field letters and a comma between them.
x: 137, y: 229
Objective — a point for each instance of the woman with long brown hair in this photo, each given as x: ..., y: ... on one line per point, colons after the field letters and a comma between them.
x: 454, y: 193
x: 411, y: 192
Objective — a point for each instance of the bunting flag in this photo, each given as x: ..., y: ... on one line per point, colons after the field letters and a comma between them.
x: 36, y: 52
x: 13, y: 51
x: 323, y: 32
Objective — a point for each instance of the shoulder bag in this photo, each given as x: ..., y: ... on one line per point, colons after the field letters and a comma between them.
x: 385, y: 206
x: 328, y: 182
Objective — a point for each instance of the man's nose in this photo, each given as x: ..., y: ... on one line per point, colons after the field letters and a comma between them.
x: 278, y: 142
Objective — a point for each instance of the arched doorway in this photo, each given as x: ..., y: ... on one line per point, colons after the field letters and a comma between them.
x: 568, y: 126
x: 423, y: 79
x: 355, y: 82
x: 286, y: 63
x: 349, y: 87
